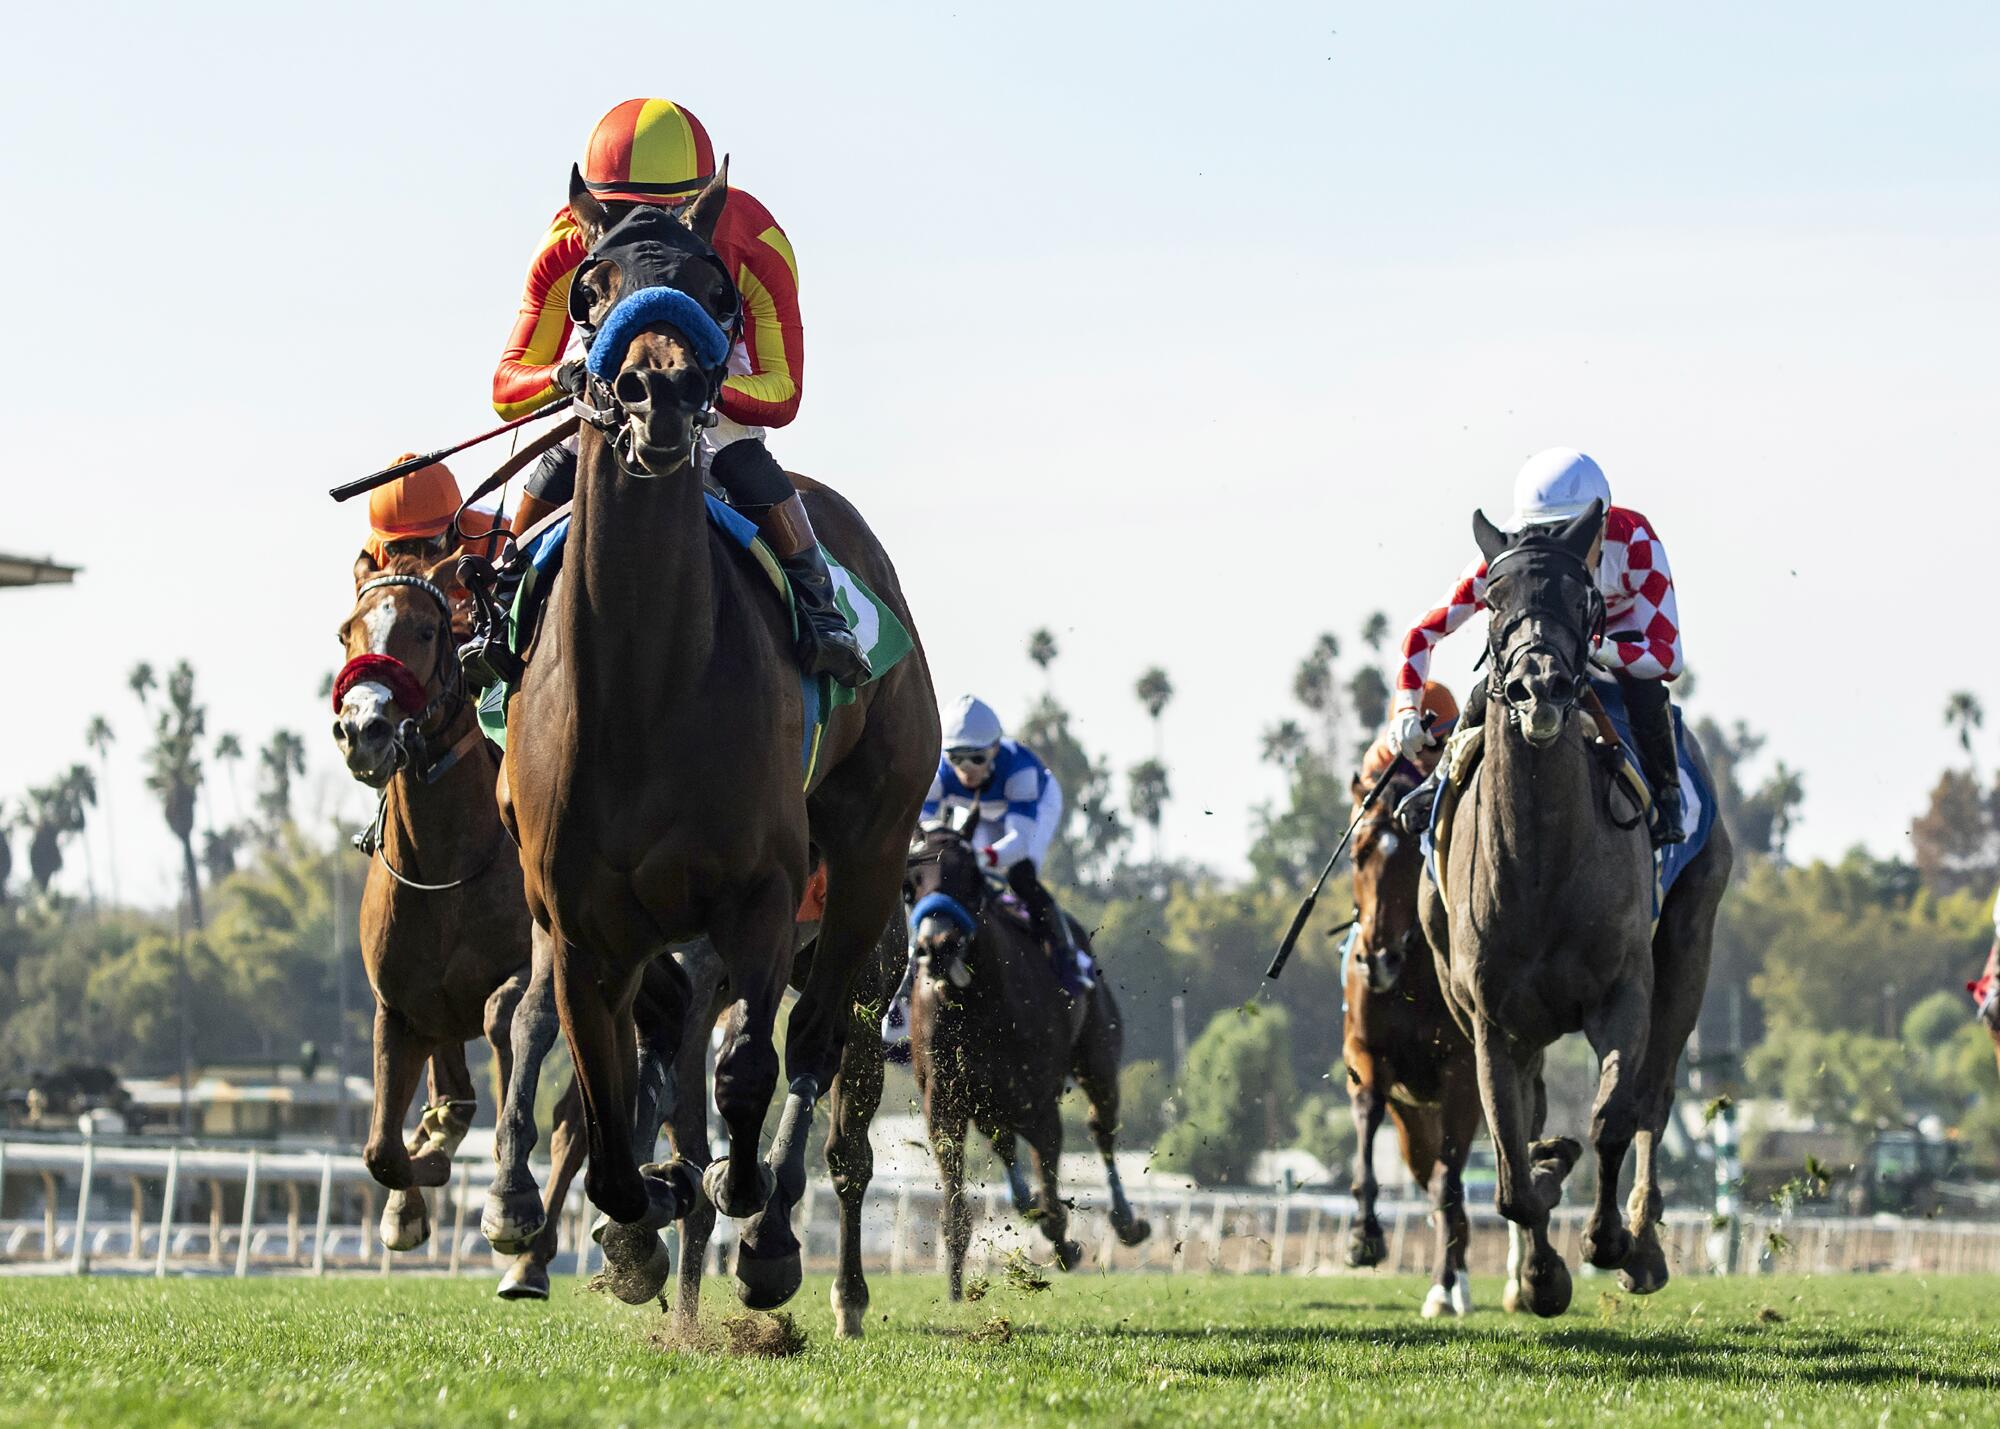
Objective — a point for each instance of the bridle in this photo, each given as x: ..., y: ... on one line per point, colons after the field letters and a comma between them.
x: 939, y: 903
x: 1572, y: 658
x: 412, y: 738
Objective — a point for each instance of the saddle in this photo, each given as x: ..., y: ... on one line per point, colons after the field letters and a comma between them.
x: 1605, y: 707
x: 881, y: 635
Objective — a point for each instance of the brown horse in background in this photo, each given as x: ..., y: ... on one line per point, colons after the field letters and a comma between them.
x: 444, y: 923
x: 1549, y: 928
x: 653, y: 778
x: 993, y: 1041
x: 1404, y: 1054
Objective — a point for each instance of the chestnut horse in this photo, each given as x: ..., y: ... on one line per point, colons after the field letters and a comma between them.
x: 1404, y: 1054
x: 653, y: 775
x: 993, y: 1041
x: 1549, y: 928
x: 444, y: 923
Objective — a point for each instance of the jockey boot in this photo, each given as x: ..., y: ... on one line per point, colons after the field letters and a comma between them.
x: 487, y: 658
x: 1052, y: 927
x: 759, y: 488
x: 1413, y: 814
x: 1653, y: 737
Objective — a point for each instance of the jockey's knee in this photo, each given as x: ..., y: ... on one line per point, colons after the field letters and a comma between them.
x: 749, y: 475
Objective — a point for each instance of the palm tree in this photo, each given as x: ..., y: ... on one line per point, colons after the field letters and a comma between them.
x: 55, y: 811
x: 1374, y: 631
x: 229, y: 754
x: 141, y: 681
x: 1284, y: 742
x: 281, y: 760
x: 6, y: 851
x: 1148, y: 797
x: 174, y: 770
x: 1963, y: 714
x: 1155, y: 692
x: 1043, y: 651
x: 1787, y: 791
x: 98, y: 736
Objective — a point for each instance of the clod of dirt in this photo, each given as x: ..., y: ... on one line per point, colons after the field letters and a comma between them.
x: 1022, y: 1273
x: 762, y: 1336
x: 683, y: 1338
x: 975, y: 1289
x: 996, y: 1331
x: 1608, y: 1305
x: 1768, y: 1316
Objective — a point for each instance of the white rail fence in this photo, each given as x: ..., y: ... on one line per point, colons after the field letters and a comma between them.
x: 312, y: 1212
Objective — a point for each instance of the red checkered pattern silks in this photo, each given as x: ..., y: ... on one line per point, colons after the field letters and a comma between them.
x: 1638, y: 592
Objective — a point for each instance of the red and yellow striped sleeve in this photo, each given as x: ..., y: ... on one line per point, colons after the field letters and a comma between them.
x: 522, y: 382
x: 760, y: 258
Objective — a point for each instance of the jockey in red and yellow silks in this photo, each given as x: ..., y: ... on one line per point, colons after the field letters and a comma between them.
x: 766, y: 373
x: 652, y: 151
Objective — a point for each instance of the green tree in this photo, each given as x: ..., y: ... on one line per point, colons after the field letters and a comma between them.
x: 1956, y: 845
x: 174, y: 771
x: 56, y: 811
x: 142, y: 683
x: 282, y: 760
x: 229, y: 754
x: 1236, y: 1095
x: 1155, y: 692
x: 1092, y: 840
x: 1837, y: 1078
x: 1786, y: 792
x: 1042, y: 649
x: 1375, y: 631
x: 1143, y: 1091
x: 1324, y: 1127
x: 1368, y: 696
x: 99, y: 737
x: 1963, y: 716
x: 1148, y: 793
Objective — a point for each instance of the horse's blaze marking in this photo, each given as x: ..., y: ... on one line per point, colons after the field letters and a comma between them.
x: 367, y: 700
x: 379, y: 620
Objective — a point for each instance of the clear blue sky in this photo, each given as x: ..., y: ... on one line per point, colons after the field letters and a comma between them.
x: 1187, y: 331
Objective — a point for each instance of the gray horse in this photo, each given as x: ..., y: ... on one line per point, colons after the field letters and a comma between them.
x: 1545, y: 922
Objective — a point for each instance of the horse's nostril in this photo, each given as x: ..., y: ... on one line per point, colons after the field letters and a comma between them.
x: 1560, y: 688
x: 633, y: 391
x: 340, y: 733
x: 1517, y: 692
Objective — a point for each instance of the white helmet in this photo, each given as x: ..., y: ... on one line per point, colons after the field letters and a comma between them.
x: 971, y: 724
x: 1557, y: 485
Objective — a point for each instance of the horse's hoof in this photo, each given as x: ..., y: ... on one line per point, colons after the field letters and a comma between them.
x: 1510, y: 1297
x: 525, y: 1280
x: 406, y: 1220
x: 1461, y: 1296
x: 1645, y: 1269
x: 1366, y: 1247
x: 849, y: 1318
x: 1132, y: 1232
x: 1069, y: 1255
x: 1607, y: 1247
x: 1557, y: 1154
x: 1545, y: 1285
x: 430, y: 1167
x: 511, y: 1220
x: 715, y: 1184
x: 765, y: 1283
x: 636, y: 1263
x: 1436, y: 1302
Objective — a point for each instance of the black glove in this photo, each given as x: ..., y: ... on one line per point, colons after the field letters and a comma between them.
x: 570, y: 376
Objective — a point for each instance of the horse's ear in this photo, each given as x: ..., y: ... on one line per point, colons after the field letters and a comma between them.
x: 1356, y: 788
x: 366, y: 567
x: 591, y: 215
x: 1492, y: 540
x: 1577, y: 536
x: 702, y: 215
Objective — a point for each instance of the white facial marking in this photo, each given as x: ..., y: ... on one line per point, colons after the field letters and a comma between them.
x: 378, y: 620
x: 1387, y: 846
x: 366, y: 700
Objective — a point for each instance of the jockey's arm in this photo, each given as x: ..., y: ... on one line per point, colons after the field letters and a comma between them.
x: 1635, y: 569
x: 524, y: 382
x: 1467, y: 598
x: 1032, y: 794
x: 767, y: 276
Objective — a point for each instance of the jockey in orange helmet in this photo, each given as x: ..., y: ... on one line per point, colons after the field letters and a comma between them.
x: 413, y: 514
x: 652, y: 151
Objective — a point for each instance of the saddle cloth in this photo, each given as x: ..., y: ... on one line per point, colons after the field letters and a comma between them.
x: 1461, y: 765
x: 880, y: 634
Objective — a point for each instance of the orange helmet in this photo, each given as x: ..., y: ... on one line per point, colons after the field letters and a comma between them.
x: 417, y: 507
x: 1437, y: 700
x: 648, y: 151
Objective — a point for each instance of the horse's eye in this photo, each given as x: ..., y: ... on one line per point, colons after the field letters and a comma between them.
x: 909, y: 892
x: 428, y: 634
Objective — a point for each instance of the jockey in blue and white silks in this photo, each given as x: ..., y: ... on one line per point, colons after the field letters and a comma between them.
x: 1018, y: 805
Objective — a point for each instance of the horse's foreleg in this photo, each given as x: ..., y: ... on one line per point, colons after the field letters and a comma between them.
x: 528, y: 1277
x: 513, y: 1215
x: 1617, y: 1032
x: 1045, y: 1137
x: 850, y: 1159
x: 687, y: 1120
x: 1366, y: 1245
x: 1529, y: 1177
x: 447, y: 1116
x: 947, y: 1138
x: 400, y: 1055
x: 1458, y: 1122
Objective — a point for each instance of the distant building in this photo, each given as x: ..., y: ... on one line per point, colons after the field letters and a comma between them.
x: 250, y: 1104
x: 31, y: 570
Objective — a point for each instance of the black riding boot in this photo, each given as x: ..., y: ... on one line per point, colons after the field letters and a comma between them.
x: 1413, y: 815
x: 1052, y: 927
x: 1659, y: 759
x: 758, y: 487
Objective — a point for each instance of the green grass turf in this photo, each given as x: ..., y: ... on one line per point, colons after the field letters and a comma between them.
x: 1089, y: 1350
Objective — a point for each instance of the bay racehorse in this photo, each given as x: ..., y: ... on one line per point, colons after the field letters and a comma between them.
x: 1404, y: 1054
x: 654, y: 775
x: 1546, y: 923
x: 444, y: 922
x: 994, y: 1040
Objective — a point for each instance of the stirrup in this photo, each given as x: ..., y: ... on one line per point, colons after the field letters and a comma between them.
x: 1413, y: 813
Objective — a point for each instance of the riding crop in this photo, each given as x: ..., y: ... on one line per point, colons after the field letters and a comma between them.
x: 409, y: 464
x: 1306, y: 908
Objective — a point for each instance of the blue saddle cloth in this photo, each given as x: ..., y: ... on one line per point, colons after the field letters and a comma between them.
x: 1698, y: 807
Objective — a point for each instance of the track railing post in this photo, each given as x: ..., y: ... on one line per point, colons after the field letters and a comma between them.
x: 249, y: 1224
x: 79, y: 1257
x: 458, y: 1216
x: 170, y: 1194
x: 325, y: 1212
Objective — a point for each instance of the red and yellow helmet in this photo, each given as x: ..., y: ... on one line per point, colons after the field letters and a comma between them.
x: 648, y: 151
